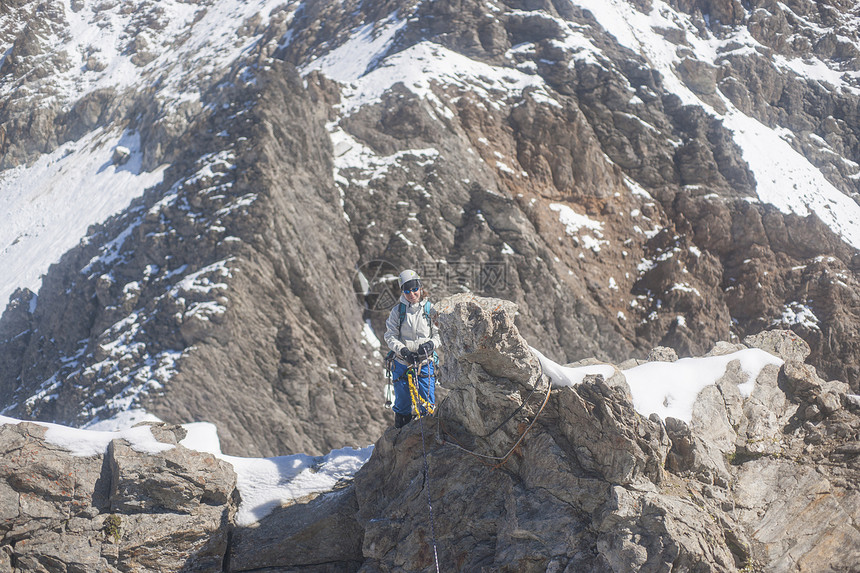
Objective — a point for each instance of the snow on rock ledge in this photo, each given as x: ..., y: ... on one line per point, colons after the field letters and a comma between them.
x: 134, y: 506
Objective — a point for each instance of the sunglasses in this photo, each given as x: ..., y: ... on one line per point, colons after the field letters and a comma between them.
x: 410, y: 291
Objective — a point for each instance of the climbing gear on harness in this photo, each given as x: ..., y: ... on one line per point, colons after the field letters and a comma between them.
x: 388, y: 391
x: 418, y: 401
x: 420, y: 406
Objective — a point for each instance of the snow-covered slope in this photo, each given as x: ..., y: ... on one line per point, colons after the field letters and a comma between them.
x: 49, y: 205
x: 171, y: 51
x: 172, y: 46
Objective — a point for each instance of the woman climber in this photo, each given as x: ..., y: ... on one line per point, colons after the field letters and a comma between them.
x: 412, y: 337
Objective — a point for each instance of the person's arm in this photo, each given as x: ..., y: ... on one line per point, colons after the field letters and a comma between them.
x: 392, y: 331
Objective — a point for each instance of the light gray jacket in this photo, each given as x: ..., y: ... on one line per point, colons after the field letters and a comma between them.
x: 414, y: 331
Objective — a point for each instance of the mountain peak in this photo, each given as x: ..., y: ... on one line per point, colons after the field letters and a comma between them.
x: 207, y: 205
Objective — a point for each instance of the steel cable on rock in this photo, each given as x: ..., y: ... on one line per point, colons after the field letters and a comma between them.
x: 503, y: 459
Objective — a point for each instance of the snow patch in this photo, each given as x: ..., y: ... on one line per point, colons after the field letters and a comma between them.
x: 86, y: 443
x: 571, y: 375
x: 268, y: 483
x: 574, y: 222
x: 48, y: 206
x: 669, y: 388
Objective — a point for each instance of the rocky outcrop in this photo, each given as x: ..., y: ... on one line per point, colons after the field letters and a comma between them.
x: 122, y: 510
x: 577, y: 480
x: 511, y: 474
x: 594, y: 486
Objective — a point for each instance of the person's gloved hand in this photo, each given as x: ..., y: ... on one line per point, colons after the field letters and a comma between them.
x: 408, y: 355
x: 426, y: 349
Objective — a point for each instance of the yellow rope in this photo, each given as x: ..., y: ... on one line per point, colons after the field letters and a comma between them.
x: 417, y: 399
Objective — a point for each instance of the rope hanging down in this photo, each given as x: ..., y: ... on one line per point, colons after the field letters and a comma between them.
x: 429, y: 503
x: 417, y: 402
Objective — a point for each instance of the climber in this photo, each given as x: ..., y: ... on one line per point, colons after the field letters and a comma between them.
x: 412, y: 338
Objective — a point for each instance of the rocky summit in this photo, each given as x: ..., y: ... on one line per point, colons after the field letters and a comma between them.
x: 515, y: 472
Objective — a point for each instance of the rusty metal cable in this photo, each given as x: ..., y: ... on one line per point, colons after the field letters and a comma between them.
x: 502, y: 459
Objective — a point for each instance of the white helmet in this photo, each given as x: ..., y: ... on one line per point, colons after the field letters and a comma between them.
x: 409, y: 276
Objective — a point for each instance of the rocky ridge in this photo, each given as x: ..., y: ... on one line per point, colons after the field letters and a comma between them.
x: 202, y: 286
x: 559, y: 167
x: 520, y: 479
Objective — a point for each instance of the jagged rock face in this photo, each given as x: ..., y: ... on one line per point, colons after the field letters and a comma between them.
x: 594, y: 486
x: 121, y: 511
x: 220, y: 292
x: 616, y: 215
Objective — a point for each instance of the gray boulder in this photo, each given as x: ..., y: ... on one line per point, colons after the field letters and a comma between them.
x: 783, y: 343
x: 318, y: 533
x: 122, y: 511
